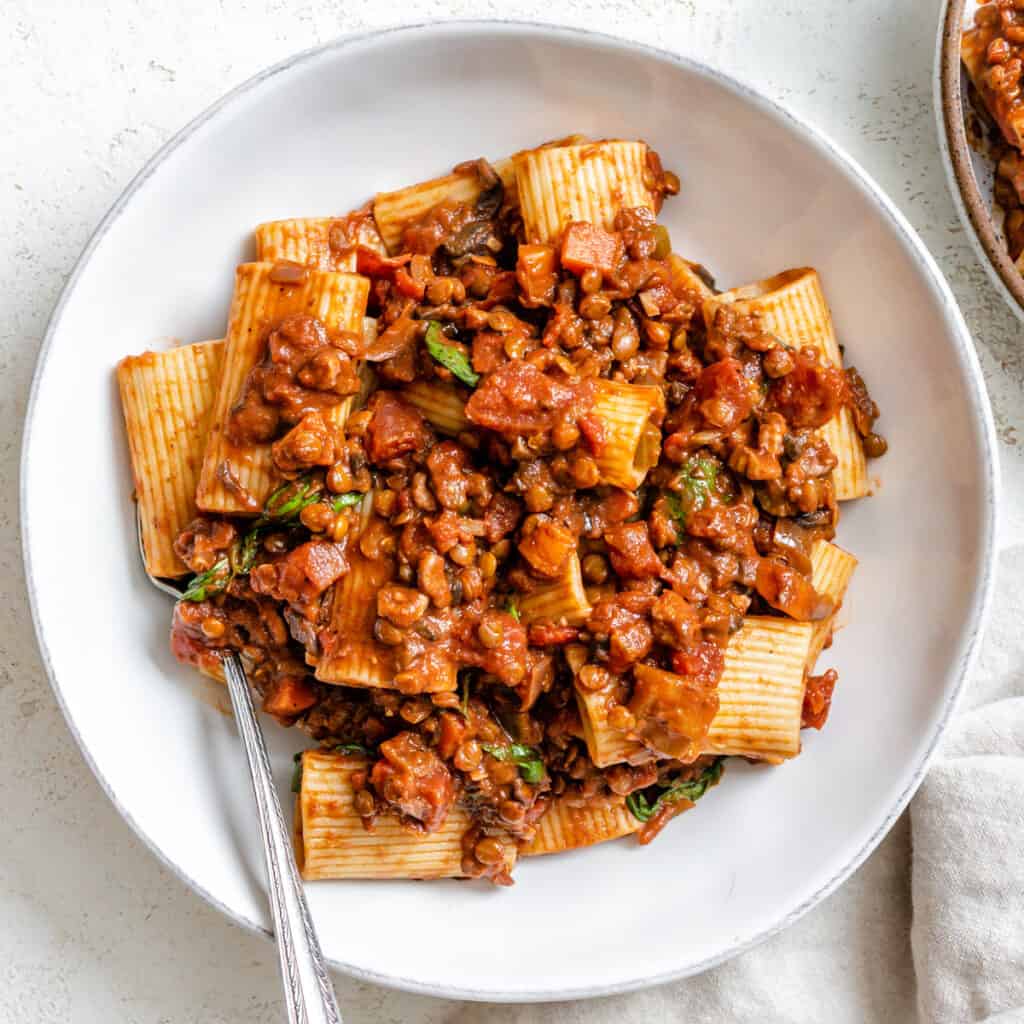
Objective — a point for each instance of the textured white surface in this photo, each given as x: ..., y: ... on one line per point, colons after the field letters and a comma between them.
x: 94, y: 929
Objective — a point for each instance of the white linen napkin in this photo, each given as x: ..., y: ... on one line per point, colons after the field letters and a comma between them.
x: 968, y: 837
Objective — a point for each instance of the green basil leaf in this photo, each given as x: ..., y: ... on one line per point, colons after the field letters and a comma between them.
x: 208, y: 583
x: 513, y: 609
x: 521, y: 752
x: 449, y: 356
x: 245, y: 557
x: 352, y: 748
x: 297, y: 773
x: 285, y: 504
x: 639, y: 806
x: 531, y: 767
x: 675, y: 507
x: 340, y: 501
x: 697, y: 482
x: 643, y: 808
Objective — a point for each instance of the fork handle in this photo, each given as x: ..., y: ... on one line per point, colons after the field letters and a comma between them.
x: 309, y: 995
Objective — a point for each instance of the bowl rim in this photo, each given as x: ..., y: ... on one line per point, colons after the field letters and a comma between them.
x: 956, y: 153
x: 975, y: 392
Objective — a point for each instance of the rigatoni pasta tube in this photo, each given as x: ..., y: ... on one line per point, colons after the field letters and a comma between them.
x: 336, y: 299
x: 832, y: 570
x: 305, y: 240
x: 395, y: 211
x: 606, y: 744
x: 850, y: 477
x: 590, y: 182
x: 631, y: 442
x: 352, y: 656
x: 564, y: 599
x: 440, y: 404
x: 331, y: 841
x: 567, y: 826
x: 167, y: 399
x: 761, y: 691
x: 792, y: 306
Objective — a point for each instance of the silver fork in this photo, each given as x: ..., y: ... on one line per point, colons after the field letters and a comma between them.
x: 308, y: 992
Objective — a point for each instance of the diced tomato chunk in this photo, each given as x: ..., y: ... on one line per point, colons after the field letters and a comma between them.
x: 395, y: 428
x: 408, y: 286
x: 724, y: 395
x: 544, y: 633
x: 413, y: 779
x: 488, y: 351
x: 594, y: 433
x: 518, y: 399
x: 629, y: 547
x: 811, y: 393
x: 818, y: 699
x: 372, y: 264
x: 703, y: 662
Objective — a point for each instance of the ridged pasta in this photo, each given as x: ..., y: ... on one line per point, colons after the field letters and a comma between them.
x: 352, y: 655
x: 590, y: 182
x: 761, y: 692
x: 395, y: 211
x: 631, y: 445
x: 686, y: 279
x: 850, y: 477
x: 562, y: 600
x: 792, y: 306
x: 441, y: 405
x: 331, y: 841
x: 832, y: 570
x: 605, y: 745
x: 167, y: 399
x: 305, y: 240
x: 568, y: 827
x: 337, y: 299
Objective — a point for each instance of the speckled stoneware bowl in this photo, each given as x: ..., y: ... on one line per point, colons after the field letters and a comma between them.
x: 762, y: 191
x: 969, y: 172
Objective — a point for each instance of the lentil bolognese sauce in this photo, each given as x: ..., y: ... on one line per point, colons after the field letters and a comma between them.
x: 530, y: 527
x: 993, y: 54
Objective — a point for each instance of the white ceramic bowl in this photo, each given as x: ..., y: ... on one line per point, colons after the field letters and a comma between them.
x: 761, y: 192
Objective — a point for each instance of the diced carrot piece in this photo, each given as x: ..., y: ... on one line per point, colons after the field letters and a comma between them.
x: 290, y: 696
x: 586, y: 247
x: 535, y: 271
x: 547, y: 547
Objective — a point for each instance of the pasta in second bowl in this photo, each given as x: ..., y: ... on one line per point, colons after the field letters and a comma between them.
x: 550, y: 350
